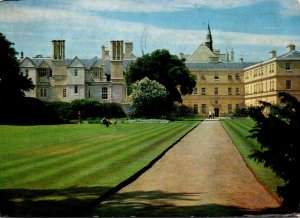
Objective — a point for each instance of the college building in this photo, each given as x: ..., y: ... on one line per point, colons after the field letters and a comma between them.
x: 223, y: 83
x: 59, y: 79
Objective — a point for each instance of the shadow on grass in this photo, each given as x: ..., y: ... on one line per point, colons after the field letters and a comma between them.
x: 158, y: 204
x: 73, y: 201
x: 85, y: 201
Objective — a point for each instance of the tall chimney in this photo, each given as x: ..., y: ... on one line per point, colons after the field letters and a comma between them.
x: 58, y: 50
x: 103, y: 53
x: 117, y: 50
x: 291, y: 47
x: 272, y: 54
x: 232, y: 55
x: 242, y: 59
x: 128, y: 49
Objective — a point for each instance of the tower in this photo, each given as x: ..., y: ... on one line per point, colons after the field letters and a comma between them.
x: 209, y: 41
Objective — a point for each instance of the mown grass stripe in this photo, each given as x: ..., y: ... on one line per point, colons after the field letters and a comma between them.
x: 88, y: 157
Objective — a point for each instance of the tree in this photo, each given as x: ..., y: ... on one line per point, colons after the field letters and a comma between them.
x: 12, y: 82
x: 166, y: 69
x: 277, y: 130
x: 149, y: 98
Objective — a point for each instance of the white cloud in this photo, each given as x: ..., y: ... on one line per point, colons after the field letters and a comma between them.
x: 147, y: 6
x: 290, y: 7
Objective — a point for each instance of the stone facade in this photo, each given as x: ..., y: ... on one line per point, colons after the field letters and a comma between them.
x: 265, y: 80
x: 60, y: 79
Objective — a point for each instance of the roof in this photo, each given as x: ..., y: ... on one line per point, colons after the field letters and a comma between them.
x: 290, y: 55
x: 201, y: 55
x: 219, y: 65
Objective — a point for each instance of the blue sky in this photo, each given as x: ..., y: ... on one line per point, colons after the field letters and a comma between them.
x: 251, y: 27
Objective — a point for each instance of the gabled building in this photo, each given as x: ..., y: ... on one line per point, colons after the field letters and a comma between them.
x: 61, y: 79
x: 220, y: 80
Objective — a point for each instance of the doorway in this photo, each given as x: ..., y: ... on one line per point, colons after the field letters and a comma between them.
x: 217, y: 112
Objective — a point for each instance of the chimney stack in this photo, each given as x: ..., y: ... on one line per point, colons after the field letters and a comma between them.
x: 232, y: 55
x: 242, y: 59
x: 58, y: 50
x: 103, y: 53
x: 291, y: 47
x: 128, y: 49
x: 272, y: 54
x: 117, y: 50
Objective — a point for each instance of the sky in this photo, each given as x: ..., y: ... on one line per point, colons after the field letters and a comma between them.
x: 251, y: 27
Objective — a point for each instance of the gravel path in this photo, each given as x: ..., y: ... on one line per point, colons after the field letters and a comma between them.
x: 202, y: 175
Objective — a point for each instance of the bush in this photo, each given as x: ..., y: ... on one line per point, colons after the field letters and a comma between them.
x: 26, y: 111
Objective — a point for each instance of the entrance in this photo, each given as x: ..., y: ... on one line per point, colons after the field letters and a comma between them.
x: 216, y: 112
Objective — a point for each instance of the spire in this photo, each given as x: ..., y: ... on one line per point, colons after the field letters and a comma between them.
x: 209, y: 41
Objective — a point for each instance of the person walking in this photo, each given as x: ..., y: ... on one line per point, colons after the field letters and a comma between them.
x: 209, y: 114
x: 213, y: 114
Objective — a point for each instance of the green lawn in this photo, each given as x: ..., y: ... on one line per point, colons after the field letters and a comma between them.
x: 53, y: 165
x: 238, y: 130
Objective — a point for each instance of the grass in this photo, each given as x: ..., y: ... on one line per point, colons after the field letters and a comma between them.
x: 238, y: 130
x: 51, y: 166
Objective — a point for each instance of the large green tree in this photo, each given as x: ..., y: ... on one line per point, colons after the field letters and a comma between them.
x: 277, y: 130
x: 12, y: 82
x: 166, y: 69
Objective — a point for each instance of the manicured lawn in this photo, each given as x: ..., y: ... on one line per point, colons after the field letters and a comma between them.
x: 56, y: 164
x: 238, y: 130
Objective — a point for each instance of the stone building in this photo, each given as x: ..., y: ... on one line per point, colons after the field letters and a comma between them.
x: 220, y: 80
x: 263, y: 81
x: 61, y: 79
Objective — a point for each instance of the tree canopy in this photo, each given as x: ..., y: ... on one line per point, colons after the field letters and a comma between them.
x: 12, y: 82
x: 166, y: 69
x: 149, y: 98
x: 277, y: 128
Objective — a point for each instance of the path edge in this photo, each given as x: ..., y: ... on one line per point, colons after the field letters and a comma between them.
x: 265, y: 187
x: 135, y: 176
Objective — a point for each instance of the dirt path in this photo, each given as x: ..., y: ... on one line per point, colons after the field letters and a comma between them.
x: 202, y: 175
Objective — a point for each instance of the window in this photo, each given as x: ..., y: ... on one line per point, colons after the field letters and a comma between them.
x: 288, y: 66
x: 42, y: 72
x: 195, y: 91
x: 216, y: 77
x: 195, y: 108
x: 216, y: 91
x: 75, y: 72
x: 75, y: 89
x: 203, y: 108
x: 288, y: 84
x: 64, y: 93
x: 26, y: 72
x: 216, y: 102
x: 229, y: 76
x: 203, y: 91
x: 43, y: 93
x: 202, y: 76
x: 104, y: 93
x: 229, y: 91
x: 237, y: 76
x: 237, y: 91
x: 230, y: 108
x: 96, y: 71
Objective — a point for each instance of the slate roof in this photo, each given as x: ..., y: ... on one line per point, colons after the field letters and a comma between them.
x: 219, y: 65
x: 290, y: 55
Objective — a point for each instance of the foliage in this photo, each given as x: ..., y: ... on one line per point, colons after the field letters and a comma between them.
x: 277, y: 129
x: 26, y: 111
x: 241, y: 112
x: 166, y: 69
x: 12, y: 82
x: 180, y: 111
x: 149, y: 99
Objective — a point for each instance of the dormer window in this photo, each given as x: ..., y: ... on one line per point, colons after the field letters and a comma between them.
x: 76, y: 72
